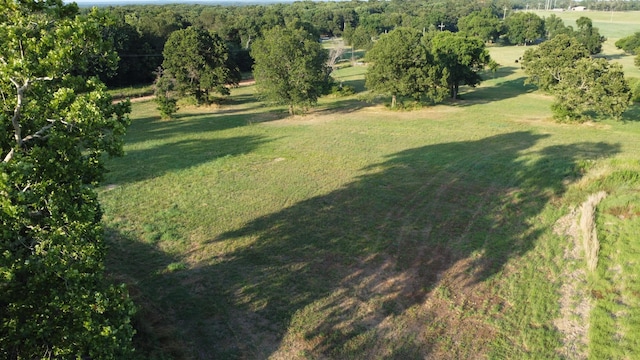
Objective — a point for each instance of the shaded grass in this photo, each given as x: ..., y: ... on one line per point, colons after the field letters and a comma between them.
x: 355, y: 234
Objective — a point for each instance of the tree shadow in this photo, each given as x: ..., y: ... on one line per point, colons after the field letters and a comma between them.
x: 325, y: 274
x: 150, y: 162
x: 633, y: 113
x: 343, y: 106
x: 500, y: 91
x: 144, y: 269
x: 357, y: 84
x: 501, y: 71
x: 613, y: 56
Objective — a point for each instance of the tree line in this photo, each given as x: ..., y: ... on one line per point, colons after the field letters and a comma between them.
x: 140, y: 32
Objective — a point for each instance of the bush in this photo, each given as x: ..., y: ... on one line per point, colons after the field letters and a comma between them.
x: 339, y: 90
x: 167, y: 106
x: 634, y: 84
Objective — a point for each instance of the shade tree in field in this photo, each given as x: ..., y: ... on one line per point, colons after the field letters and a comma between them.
x: 400, y: 64
x: 554, y: 25
x: 592, y: 85
x: 580, y: 84
x: 546, y: 64
x: 200, y: 63
x: 290, y: 67
x: 461, y: 58
x: 630, y: 44
x: 55, y: 301
x: 483, y: 24
x: 589, y: 36
x: 523, y: 28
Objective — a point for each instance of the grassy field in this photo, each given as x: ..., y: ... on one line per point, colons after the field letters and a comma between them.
x: 356, y: 232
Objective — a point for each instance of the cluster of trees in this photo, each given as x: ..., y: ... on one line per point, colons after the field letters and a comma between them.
x: 580, y: 83
x: 426, y: 66
x: 631, y: 45
x: 58, y: 124
x: 291, y: 66
x: 139, y: 33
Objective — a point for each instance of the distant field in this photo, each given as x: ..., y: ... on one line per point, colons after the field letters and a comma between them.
x: 613, y: 25
x: 356, y: 232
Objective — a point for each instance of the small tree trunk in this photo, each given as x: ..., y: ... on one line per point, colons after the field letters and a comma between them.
x: 290, y: 109
x: 454, y: 91
x: 393, y: 101
x: 353, y: 57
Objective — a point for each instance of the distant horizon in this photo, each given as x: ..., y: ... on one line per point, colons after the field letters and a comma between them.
x: 89, y: 3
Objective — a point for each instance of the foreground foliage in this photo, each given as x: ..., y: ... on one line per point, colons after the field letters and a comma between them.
x: 54, y: 299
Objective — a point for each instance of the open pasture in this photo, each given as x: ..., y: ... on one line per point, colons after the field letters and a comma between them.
x: 356, y: 232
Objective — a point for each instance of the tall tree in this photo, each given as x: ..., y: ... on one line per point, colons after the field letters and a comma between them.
x: 589, y: 36
x: 199, y: 62
x: 483, y: 24
x: 630, y: 44
x: 290, y: 67
x: 462, y: 58
x: 524, y: 28
x: 591, y: 85
x: 546, y: 64
x: 554, y: 25
x: 54, y: 299
x: 580, y: 84
x: 401, y: 65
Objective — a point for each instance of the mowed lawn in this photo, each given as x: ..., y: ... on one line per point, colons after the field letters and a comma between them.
x: 357, y: 232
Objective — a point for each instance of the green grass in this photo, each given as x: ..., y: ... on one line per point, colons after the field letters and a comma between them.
x: 131, y: 92
x: 613, y: 25
x: 360, y: 232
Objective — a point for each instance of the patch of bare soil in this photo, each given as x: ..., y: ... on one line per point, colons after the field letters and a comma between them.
x: 575, y: 301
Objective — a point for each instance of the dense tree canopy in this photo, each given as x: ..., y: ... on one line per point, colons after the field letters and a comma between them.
x: 401, y: 65
x: 54, y: 299
x: 589, y: 36
x: 199, y: 62
x: 580, y: 84
x: 358, y: 38
x: 524, y: 28
x: 290, y: 67
x: 630, y: 44
x: 483, y: 24
x: 553, y: 26
x: 592, y: 85
x: 462, y: 58
x: 546, y: 64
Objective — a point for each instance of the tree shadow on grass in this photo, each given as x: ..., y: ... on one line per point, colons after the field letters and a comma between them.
x: 154, y: 161
x: 633, y: 113
x: 501, y: 91
x: 145, y: 271
x: 329, y: 276
x: 342, y: 106
x: 357, y: 84
x: 501, y: 71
